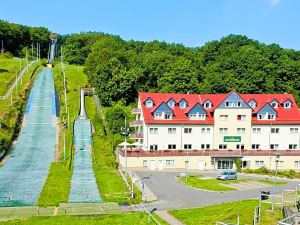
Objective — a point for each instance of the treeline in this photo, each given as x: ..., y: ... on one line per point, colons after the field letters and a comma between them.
x: 16, y: 38
x: 119, y: 69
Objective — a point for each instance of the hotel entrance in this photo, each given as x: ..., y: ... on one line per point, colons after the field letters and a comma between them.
x: 225, y: 164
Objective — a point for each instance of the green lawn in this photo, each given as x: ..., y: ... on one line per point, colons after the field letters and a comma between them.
x: 8, y: 70
x: 271, y: 182
x: 122, y: 219
x: 210, y: 184
x: 227, y: 212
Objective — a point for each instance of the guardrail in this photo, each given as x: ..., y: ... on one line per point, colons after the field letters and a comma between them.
x: 149, y: 215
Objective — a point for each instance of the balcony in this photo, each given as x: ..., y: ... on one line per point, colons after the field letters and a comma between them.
x: 136, y: 123
x: 136, y: 111
x: 136, y: 136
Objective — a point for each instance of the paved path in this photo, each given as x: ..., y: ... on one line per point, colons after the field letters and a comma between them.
x: 23, y: 175
x: 173, y: 195
x: 20, y: 75
x: 168, y: 218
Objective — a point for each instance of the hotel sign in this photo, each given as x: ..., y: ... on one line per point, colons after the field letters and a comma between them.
x: 232, y: 138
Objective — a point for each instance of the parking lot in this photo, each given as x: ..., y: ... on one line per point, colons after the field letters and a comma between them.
x: 173, y: 195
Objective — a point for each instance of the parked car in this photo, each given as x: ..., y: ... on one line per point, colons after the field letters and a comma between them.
x: 227, y: 175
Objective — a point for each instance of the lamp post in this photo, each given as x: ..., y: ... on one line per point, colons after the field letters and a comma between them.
x: 274, y: 185
x: 125, y: 132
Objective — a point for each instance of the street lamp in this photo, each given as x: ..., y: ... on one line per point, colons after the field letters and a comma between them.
x: 125, y: 132
x: 274, y: 185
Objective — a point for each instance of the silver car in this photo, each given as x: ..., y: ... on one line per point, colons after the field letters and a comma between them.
x: 227, y: 175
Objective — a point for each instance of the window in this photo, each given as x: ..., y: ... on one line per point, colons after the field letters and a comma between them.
x: 205, y: 130
x: 274, y: 130
x: 287, y: 105
x: 255, y: 146
x: 292, y: 146
x: 182, y: 104
x: 149, y: 104
x: 274, y: 104
x: 158, y: 116
x: 252, y: 104
x: 271, y: 116
x: 145, y: 163
x: 274, y: 146
x: 187, y: 130
x: 266, y: 116
x: 207, y: 105
x: 171, y: 130
x: 208, y: 130
x: 233, y: 104
x: 153, y: 130
x: 202, y: 116
x: 223, y: 117
x: 259, y: 163
x: 241, y: 130
x: 168, y: 116
x: 153, y: 147
x: 280, y: 164
x: 207, y: 146
x: 223, y: 130
x: 171, y: 146
x: 241, y: 117
x: 294, y: 130
x: 240, y: 146
x: 256, y: 130
x: 222, y: 146
x: 297, y: 163
x: 170, y: 162
x: 197, y: 116
x: 187, y: 146
x: 171, y: 103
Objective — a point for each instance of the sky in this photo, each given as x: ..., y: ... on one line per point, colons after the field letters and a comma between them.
x: 190, y: 22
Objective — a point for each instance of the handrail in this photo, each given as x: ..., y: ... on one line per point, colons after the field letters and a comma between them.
x: 150, y: 215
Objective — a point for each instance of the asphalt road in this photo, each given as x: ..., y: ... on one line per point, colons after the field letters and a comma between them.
x: 173, y: 195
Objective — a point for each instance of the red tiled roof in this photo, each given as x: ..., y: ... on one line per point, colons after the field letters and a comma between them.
x: 284, y: 116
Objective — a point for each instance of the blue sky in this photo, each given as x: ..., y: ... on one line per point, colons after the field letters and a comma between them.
x: 191, y: 22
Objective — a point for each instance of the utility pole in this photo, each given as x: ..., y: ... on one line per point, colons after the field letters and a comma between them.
x: 64, y: 74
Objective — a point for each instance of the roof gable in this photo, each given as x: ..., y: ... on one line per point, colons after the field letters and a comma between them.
x: 197, y: 108
x: 233, y: 96
x: 163, y: 107
x: 267, y: 108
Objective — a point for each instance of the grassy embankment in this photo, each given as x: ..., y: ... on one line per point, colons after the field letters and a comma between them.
x: 227, y: 212
x: 212, y: 184
x: 11, y: 112
x: 57, y: 186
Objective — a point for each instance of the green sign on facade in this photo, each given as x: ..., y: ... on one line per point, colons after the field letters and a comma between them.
x: 232, y: 138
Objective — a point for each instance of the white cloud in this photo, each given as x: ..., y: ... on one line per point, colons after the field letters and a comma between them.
x: 274, y: 2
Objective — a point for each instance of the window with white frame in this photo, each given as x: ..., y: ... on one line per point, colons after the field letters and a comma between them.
x: 224, y: 117
x: 172, y: 130
x: 297, y: 163
x: 158, y: 116
x: 145, y: 163
x: 259, y: 163
x: 255, y: 146
x: 287, y: 105
x: 294, y: 130
x: 187, y: 130
x: 240, y: 146
x: 153, y: 147
x: 223, y: 130
x: 205, y: 146
x: 256, y: 130
x: 153, y: 130
x: 274, y: 146
x: 170, y: 162
x: 234, y: 104
x: 293, y: 146
x: 222, y: 146
x: 207, y: 105
x: 197, y: 116
x: 182, y: 104
x: 205, y: 130
x: 187, y: 146
x: 171, y: 103
x: 168, y: 116
x: 241, y: 130
x: 149, y: 103
x: 274, y: 104
x: 241, y: 117
x: 252, y: 104
x: 171, y: 146
x: 274, y: 130
x: 266, y: 116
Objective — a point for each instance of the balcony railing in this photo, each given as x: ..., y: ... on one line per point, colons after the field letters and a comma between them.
x: 136, y: 136
x: 136, y: 123
x: 136, y: 111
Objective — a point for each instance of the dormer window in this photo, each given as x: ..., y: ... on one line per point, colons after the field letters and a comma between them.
x: 171, y: 103
x: 162, y: 116
x: 149, y: 103
x: 266, y: 116
x: 233, y: 104
x: 182, y: 104
x: 207, y: 104
x: 287, y: 104
x: 274, y: 104
x: 252, y: 104
x: 197, y: 116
